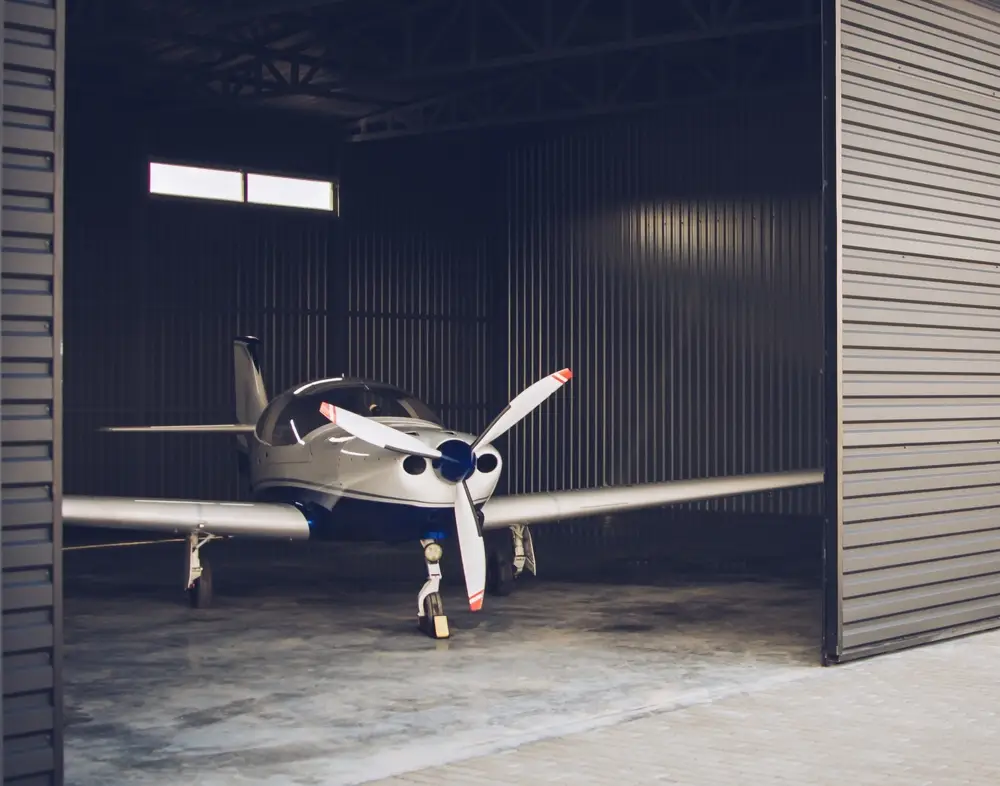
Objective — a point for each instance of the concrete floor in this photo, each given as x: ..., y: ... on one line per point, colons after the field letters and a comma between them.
x: 297, y: 678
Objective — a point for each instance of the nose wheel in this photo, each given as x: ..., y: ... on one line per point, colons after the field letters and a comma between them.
x: 431, y: 619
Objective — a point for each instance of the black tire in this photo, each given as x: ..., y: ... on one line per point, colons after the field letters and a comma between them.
x: 433, y: 606
x: 200, y: 594
x: 499, y: 574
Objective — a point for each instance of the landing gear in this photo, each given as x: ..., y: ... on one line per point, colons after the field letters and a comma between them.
x: 501, y: 569
x: 499, y: 573
x: 430, y: 608
x: 524, y: 550
x: 199, y: 572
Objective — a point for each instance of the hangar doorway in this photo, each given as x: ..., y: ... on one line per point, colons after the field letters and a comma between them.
x: 648, y: 215
x: 673, y: 253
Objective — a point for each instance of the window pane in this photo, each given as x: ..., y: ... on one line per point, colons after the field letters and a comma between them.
x: 193, y: 181
x: 290, y: 192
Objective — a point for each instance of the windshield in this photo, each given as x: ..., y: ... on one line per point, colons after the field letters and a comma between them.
x: 299, y: 415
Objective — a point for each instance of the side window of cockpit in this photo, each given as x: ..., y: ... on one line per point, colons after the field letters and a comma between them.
x: 301, y: 416
x: 382, y: 404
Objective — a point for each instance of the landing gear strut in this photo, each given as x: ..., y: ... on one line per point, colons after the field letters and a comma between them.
x: 199, y: 572
x: 430, y: 608
x: 503, y: 569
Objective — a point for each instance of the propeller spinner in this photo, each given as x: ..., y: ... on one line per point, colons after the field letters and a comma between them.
x: 458, y: 460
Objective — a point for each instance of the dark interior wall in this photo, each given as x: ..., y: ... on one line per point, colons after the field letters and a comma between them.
x: 673, y: 263
x: 423, y: 282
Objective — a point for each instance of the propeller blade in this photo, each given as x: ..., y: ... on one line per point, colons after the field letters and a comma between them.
x: 522, y: 404
x: 470, y: 543
x: 377, y: 434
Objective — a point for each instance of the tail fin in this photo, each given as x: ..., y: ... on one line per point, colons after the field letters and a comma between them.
x: 251, y: 395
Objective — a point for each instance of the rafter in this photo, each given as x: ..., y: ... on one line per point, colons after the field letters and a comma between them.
x: 396, y: 60
x: 615, y: 83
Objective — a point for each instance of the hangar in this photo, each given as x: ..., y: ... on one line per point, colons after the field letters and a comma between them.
x: 765, y: 232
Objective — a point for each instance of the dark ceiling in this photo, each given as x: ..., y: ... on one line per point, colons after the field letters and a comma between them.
x: 390, y: 67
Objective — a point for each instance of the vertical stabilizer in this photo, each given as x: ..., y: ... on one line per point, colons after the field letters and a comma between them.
x: 251, y: 396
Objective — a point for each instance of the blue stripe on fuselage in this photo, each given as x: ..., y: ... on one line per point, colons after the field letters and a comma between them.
x: 334, y: 518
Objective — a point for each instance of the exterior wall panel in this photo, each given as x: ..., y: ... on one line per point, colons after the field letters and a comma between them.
x: 30, y: 391
x: 920, y: 172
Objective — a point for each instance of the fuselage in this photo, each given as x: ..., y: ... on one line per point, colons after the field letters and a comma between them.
x: 352, y: 490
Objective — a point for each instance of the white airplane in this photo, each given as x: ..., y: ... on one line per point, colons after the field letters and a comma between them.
x: 352, y: 460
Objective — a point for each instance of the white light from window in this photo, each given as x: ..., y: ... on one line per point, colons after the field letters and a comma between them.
x: 290, y: 192
x: 193, y: 181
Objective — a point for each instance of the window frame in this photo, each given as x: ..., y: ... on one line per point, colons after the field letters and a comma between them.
x: 244, y: 174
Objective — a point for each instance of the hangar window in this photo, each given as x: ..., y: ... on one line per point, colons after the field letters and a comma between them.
x: 238, y: 186
x: 289, y: 192
x: 195, y: 181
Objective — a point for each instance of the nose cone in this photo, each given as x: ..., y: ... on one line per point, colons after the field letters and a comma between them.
x: 457, y: 462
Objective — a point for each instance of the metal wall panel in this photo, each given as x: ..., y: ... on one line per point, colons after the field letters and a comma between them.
x: 422, y: 273
x: 673, y: 262
x: 920, y: 237
x: 30, y: 376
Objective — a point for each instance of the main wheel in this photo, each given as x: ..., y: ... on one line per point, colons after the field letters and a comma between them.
x: 200, y: 594
x: 499, y: 574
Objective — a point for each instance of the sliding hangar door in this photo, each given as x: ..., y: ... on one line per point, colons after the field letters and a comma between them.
x: 30, y: 406
x: 918, y: 541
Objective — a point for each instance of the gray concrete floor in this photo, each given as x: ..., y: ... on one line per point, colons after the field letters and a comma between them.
x: 294, y: 677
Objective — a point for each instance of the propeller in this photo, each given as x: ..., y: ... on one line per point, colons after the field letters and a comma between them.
x: 467, y: 519
x: 377, y: 434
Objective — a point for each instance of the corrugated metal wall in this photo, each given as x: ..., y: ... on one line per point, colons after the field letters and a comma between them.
x: 31, y: 728
x: 920, y: 242
x: 674, y: 263
x: 422, y: 285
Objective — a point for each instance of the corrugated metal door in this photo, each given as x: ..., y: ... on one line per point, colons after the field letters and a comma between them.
x: 29, y: 386
x: 920, y: 240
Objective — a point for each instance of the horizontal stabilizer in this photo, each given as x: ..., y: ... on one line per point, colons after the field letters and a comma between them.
x: 581, y: 503
x: 223, y: 428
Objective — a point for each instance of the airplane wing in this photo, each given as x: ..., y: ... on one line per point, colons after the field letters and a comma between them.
x: 222, y: 428
x: 542, y: 507
x: 181, y: 516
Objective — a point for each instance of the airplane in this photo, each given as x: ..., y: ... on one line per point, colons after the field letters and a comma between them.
x: 352, y: 459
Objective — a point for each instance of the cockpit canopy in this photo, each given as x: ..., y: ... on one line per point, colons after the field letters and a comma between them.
x: 295, y: 414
